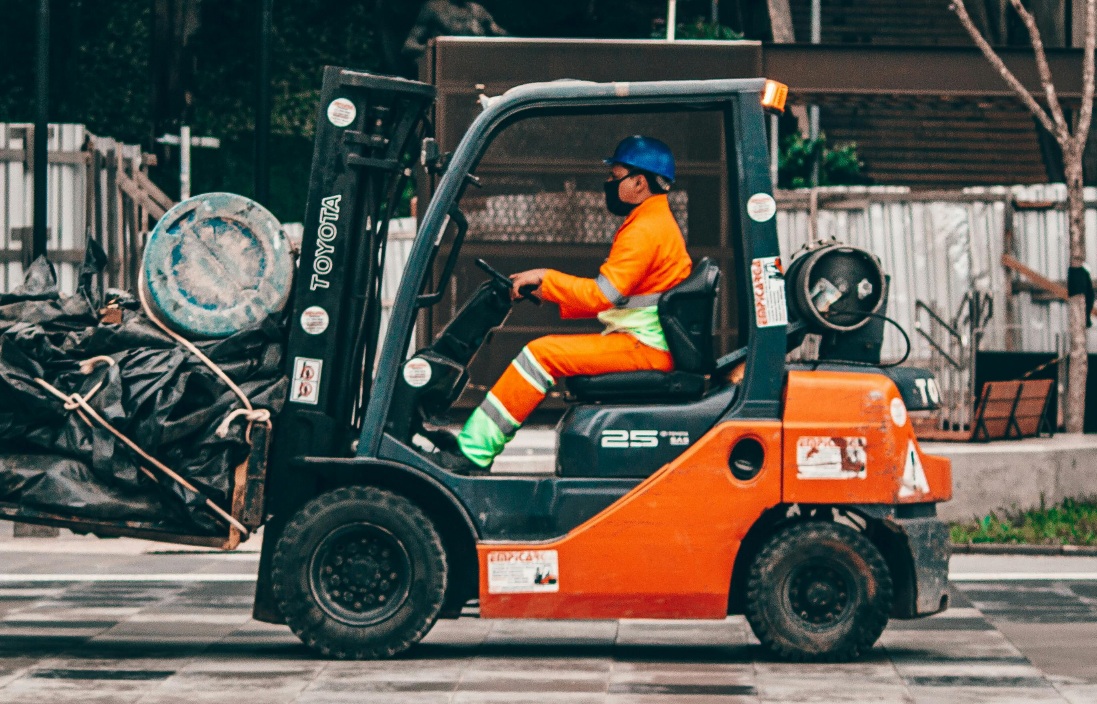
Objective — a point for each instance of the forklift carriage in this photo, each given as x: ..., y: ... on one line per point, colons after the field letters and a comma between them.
x: 796, y: 495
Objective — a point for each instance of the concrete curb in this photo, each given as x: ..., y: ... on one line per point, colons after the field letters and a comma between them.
x: 1014, y: 549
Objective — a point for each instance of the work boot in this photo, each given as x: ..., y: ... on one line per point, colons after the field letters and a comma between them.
x: 442, y: 439
x: 456, y: 462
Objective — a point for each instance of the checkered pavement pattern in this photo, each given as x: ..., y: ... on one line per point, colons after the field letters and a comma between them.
x: 193, y: 643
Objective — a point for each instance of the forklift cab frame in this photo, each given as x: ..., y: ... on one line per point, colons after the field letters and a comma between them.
x: 344, y: 479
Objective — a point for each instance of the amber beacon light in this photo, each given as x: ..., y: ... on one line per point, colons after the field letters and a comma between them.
x: 774, y: 95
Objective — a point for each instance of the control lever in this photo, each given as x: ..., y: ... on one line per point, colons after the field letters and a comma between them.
x: 524, y: 293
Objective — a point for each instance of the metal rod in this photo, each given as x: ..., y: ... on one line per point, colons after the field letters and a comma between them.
x: 813, y: 110
x: 263, y: 105
x: 672, y: 18
x: 184, y: 162
x: 715, y: 13
x: 774, y: 150
x: 40, y: 236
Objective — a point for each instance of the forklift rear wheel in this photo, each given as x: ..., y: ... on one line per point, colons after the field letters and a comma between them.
x: 818, y: 592
x: 359, y: 573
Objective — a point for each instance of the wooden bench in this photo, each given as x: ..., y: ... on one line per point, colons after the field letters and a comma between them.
x: 1005, y: 410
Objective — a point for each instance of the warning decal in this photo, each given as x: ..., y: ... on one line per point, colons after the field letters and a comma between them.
x: 306, y: 380
x: 914, y: 475
x: 831, y: 458
x: 521, y: 571
x: 767, y: 280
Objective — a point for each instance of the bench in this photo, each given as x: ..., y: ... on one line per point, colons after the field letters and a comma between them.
x: 1005, y: 410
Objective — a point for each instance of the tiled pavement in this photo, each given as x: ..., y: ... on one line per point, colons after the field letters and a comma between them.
x: 192, y: 642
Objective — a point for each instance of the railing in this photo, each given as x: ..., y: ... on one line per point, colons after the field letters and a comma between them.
x: 953, y: 357
x: 98, y: 188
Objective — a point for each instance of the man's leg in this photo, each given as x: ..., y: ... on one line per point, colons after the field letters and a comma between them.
x: 535, y: 370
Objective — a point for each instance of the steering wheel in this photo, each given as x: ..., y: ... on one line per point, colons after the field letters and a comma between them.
x: 524, y: 293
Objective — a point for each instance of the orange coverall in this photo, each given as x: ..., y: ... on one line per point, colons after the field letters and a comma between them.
x: 648, y: 256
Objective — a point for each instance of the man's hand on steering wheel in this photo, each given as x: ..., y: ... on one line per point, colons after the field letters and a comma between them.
x: 533, y: 277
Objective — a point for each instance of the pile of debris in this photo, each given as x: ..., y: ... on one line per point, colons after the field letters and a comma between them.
x: 100, y: 345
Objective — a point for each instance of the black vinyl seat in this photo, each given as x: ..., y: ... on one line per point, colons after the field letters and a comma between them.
x: 687, y: 313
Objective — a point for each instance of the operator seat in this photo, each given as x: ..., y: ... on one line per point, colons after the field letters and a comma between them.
x: 687, y: 313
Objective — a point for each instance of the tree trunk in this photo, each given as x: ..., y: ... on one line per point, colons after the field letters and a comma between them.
x: 1079, y: 358
x: 780, y: 21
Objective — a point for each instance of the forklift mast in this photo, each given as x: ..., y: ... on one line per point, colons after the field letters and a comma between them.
x: 367, y: 136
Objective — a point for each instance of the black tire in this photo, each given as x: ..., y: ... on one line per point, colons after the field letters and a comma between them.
x: 818, y: 592
x: 359, y: 573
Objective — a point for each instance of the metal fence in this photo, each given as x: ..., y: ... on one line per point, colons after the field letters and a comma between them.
x: 98, y: 188
x: 944, y: 251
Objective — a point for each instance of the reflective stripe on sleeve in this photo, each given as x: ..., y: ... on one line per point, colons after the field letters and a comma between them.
x: 609, y: 290
x: 648, y: 299
x: 625, y: 302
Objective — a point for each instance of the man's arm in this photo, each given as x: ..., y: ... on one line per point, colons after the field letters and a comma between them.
x: 491, y: 28
x: 623, y: 271
x: 416, y: 43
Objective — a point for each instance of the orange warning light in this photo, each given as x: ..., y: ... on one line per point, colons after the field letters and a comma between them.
x: 773, y: 97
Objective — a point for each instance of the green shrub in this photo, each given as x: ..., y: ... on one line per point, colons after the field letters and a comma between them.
x: 1072, y: 522
x: 839, y: 165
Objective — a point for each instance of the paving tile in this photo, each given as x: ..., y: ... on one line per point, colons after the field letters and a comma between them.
x: 1043, y: 644
x: 1078, y: 693
x: 691, y: 633
x: 984, y: 695
x: 323, y: 697
x: 837, y: 690
x: 528, y: 698
x: 684, y: 672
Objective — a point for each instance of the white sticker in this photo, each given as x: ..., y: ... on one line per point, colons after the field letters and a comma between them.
x: 914, y: 475
x: 831, y: 457
x: 761, y: 207
x: 898, y: 412
x: 314, y: 320
x: 768, y: 283
x: 306, y: 380
x: 523, y: 571
x: 417, y: 372
x: 341, y: 112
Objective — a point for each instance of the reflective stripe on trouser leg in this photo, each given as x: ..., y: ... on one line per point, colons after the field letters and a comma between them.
x: 532, y: 370
x: 519, y: 390
x: 487, y: 430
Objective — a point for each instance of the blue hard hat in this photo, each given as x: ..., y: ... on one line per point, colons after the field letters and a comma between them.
x: 644, y: 153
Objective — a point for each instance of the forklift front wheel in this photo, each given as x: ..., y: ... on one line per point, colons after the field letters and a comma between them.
x: 818, y: 592
x: 359, y: 573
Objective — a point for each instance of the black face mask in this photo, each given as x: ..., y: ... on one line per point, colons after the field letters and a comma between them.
x: 614, y: 204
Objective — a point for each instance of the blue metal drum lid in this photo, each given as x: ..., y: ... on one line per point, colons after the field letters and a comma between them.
x: 216, y: 264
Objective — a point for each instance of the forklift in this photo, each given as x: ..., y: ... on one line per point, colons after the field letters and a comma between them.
x: 794, y: 494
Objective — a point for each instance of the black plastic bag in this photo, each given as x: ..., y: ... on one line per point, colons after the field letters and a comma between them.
x: 156, y: 393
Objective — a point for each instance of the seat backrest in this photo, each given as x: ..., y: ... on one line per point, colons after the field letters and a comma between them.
x: 687, y: 313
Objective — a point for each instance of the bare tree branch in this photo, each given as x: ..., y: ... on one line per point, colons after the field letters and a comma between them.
x: 1042, y: 68
x: 1003, y: 70
x: 1085, y: 114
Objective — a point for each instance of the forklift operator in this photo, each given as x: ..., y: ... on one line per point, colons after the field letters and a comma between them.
x: 648, y: 256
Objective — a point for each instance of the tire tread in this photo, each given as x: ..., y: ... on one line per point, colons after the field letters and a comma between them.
x: 759, y: 590
x: 312, y: 633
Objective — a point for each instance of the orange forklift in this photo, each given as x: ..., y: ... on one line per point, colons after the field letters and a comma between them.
x: 795, y: 494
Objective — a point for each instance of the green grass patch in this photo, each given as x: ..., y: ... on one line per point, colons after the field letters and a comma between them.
x: 1072, y: 522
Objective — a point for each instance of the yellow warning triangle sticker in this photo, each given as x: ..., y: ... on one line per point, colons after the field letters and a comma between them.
x: 914, y: 476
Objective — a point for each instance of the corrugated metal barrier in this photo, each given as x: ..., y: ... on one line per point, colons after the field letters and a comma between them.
x: 944, y: 249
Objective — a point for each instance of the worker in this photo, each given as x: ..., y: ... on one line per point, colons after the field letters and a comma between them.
x: 648, y: 256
